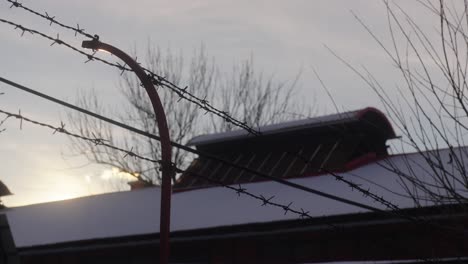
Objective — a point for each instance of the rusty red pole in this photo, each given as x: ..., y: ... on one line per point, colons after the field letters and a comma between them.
x: 167, y: 168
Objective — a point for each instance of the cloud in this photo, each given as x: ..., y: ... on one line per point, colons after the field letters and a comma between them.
x: 115, y: 173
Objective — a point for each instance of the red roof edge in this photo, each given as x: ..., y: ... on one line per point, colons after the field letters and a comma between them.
x: 361, y: 113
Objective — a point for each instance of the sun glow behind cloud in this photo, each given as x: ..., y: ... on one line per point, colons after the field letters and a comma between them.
x: 69, y: 187
x: 116, y: 173
x: 57, y: 186
x: 64, y: 187
x: 49, y: 186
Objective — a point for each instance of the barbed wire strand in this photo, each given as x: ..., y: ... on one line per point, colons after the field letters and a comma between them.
x: 57, y: 40
x: 354, y: 186
x: 158, y: 80
x: 61, y: 129
x: 200, y: 153
x: 52, y: 20
x: 365, y: 192
x: 182, y: 92
x: 239, y: 189
x: 194, y: 151
x: 265, y: 200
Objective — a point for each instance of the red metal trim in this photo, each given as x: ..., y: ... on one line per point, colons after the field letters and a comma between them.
x: 374, y: 110
x: 166, y: 149
x: 360, y: 161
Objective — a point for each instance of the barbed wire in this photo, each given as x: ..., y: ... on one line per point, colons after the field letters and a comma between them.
x: 90, y: 57
x: 365, y: 192
x: 130, y: 153
x: 239, y: 189
x: 201, y: 103
x: 354, y: 186
x: 183, y: 94
x: 61, y: 129
x: 57, y: 40
x: 52, y: 20
x: 161, y: 81
x: 393, y: 213
x: 194, y: 151
x: 157, y: 80
x: 265, y: 200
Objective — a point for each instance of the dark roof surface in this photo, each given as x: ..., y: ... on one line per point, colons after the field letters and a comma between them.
x: 292, y: 149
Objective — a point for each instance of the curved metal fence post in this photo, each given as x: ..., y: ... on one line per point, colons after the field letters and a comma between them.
x: 167, y: 168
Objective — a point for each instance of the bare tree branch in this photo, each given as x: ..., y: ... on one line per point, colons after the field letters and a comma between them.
x: 243, y: 93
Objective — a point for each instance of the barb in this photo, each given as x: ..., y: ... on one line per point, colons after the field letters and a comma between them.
x: 156, y: 79
x: 3, y: 122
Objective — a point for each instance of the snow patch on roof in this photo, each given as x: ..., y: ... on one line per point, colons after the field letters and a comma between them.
x: 277, y: 128
x: 320, y: 121
x: 137, y: 212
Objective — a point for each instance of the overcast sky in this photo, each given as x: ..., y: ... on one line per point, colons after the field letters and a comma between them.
x: 282, y: 36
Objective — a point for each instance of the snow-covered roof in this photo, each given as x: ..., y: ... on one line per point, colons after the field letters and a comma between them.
x: 314, y: 122
x: 137, y: 212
